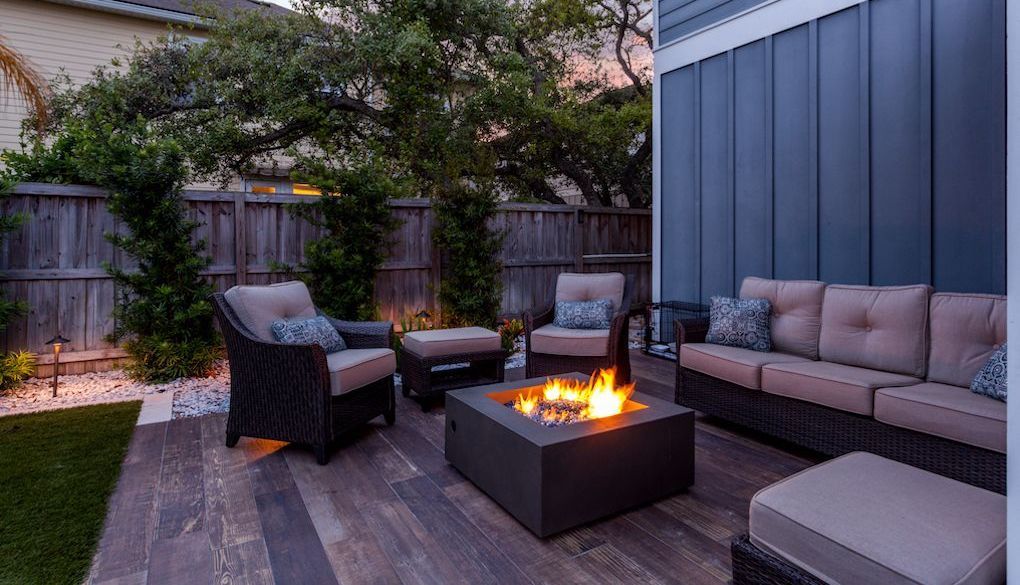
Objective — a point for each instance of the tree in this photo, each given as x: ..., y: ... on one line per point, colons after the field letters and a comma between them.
x: 16, y: 73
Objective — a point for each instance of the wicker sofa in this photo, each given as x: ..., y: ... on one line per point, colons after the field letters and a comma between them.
x: 556, y: 350
x: 853, y: 368
x: 299, y: 393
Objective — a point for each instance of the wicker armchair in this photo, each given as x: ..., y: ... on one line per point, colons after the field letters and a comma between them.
x: 575, y: 350
x: 298, y: 393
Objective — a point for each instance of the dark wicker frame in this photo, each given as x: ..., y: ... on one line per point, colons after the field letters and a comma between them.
x: 282, y: 392
x: 546, y: 364
x: 753, y: 566
x: 485, y: 367
x: 829, y: 431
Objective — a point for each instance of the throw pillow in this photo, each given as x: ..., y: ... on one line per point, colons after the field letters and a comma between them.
x: 991, y: 380
x: 740, y: 323
x: 594, y: 314
x: 313, y: 330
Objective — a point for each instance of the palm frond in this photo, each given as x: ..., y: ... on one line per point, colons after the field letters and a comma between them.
x: 17, y: 74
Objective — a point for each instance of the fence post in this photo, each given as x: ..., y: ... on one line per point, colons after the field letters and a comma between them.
x: 240, y: 239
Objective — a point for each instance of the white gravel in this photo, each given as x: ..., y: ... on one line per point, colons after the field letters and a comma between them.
x: 191, y: 396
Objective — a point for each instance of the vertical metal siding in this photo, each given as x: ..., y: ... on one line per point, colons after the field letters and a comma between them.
x: 867, y: 146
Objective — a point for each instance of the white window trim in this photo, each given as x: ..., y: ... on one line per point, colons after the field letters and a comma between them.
x: 1013, y: 281
x: 740, y: 29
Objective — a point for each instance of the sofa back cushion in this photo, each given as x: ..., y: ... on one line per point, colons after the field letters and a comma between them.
x: 796, y: 312
x: 877, y: 327
x: 572, y: 286
x: 965, y: 330
x: 258, y: 306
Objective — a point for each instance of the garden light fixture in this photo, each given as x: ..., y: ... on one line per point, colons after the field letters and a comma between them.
x: 57, y: 342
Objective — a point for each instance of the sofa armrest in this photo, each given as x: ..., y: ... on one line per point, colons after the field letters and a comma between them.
x: 690, y: 331
x: 364, y: 334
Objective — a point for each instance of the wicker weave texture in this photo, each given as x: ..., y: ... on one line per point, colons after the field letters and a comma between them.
x: 834, y: 432
x: 417, y: 374
x: 753, y: 566
x: 282, y: 392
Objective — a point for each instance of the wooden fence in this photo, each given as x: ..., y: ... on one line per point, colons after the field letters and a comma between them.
x: 55, y: 262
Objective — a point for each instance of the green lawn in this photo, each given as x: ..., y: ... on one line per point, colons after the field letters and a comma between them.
x: 57, y: 471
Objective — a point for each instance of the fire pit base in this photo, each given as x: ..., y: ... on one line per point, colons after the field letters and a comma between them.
x: 555, y: 478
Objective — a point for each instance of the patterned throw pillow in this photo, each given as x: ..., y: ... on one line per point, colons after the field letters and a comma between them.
x: 740, y: 323
x: 596, y: 314
x: 313, y: 330
x: 991, y: 380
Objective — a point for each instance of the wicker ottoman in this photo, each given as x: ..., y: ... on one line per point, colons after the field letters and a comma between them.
x: 861, y: 518
x: 478, y: 352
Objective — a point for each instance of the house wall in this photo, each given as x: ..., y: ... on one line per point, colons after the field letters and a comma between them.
x: 57, y: 39
x: 677, y: 18
x: 862, y: 146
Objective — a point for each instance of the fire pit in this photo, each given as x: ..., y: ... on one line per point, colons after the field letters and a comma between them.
x: 563, y: 452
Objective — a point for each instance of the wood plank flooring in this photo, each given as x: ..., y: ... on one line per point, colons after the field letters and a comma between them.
x: 389, y: 509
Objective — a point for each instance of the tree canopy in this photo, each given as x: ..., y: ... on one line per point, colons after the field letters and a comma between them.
x: 519, y: 95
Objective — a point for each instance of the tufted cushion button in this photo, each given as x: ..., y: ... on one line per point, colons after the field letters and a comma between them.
x: 867, y: 328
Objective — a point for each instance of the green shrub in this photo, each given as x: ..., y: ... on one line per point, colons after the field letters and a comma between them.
x: 356, y: 220
x: 15, y: 367
x: 471, y: 287
x: 162, y: 311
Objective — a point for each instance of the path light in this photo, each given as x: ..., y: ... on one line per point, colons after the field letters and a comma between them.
x: 424, y: 318
x: 57, y: 342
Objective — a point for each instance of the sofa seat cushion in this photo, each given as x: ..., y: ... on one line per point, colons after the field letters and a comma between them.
x: 733, y: 364
x: 258, y: 306
x: 847, y: 388
x: 796, y: 312
x: 877, y: 327
x: 861, y: 518
x: 441, y: 342
x: 572, y: 286
x: 555, y: 340
x: 947, y: 411
x: 351, y: 369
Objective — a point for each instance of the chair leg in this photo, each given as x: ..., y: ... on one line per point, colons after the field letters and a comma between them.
x: 390, y: 417
x: 232, y: 439
x: 321, y: 454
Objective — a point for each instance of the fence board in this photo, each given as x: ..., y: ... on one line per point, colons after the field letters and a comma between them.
x: 55, y: 262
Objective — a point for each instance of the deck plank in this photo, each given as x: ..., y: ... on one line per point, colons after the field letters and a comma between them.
x: 389, y: 509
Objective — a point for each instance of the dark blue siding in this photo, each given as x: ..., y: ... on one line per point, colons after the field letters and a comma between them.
x: 680, y: 17
x: 681, y: 264
x: 867, y: 146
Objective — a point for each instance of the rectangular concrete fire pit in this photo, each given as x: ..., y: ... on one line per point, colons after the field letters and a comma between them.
x: 552, y: 478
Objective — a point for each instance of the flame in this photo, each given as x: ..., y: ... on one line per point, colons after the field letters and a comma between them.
x: 599, y: 397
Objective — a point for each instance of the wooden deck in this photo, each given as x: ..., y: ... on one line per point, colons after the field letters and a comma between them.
x: 388, y: 509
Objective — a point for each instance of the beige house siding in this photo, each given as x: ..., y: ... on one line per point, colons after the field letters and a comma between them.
x: 63, y: 39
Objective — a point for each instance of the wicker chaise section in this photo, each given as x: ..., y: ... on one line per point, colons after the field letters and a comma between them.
x: 753, y: 566
x: 282, y: 392
x: 830, y: 431
x: 617, y: 355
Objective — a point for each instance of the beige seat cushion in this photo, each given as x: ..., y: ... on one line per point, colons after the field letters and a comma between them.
x: 847, y: 388
x: 572, y: 286
x: 351, y: 369
x: 947, y: 411
x: 258, y: 306
x: 965, y: 330
x: 796, y: 312
x: 877, y: 327
x: 578, y: 342
x: 439, y: 342
x: 864, y: 519
x: 733, y: 364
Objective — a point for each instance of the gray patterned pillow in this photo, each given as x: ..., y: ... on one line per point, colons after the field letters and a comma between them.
x: 595, y: 314
x: 740, y: 323
x: 313, y: 330
x: 991, y: 380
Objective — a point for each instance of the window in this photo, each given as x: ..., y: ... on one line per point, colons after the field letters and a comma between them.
x: 305, y: 189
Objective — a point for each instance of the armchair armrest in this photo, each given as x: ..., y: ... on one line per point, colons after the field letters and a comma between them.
x: 535, y: 319
x: 364, y: 334
x: 690, y: 331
